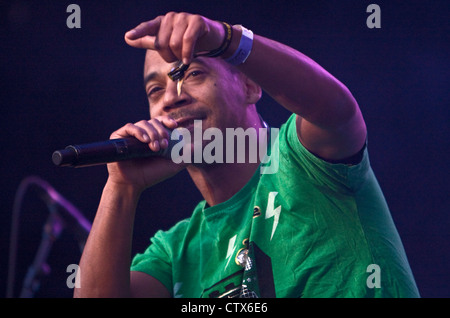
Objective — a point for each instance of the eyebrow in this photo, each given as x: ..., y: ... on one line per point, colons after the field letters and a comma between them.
x: 153, y: 75
x: 149, y: 77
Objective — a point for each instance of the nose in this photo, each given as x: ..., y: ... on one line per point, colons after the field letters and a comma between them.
x: 171, y: 97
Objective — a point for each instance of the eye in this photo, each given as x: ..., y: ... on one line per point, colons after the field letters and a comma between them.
x: 152, y: 91
x: 194, y: 73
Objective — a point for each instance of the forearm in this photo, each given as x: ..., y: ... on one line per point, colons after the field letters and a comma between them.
x: 330, y: 123
x: 105, y: 263
x: 298, y: 83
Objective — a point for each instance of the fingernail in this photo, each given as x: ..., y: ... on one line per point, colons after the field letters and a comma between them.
x: 156, y: 144
x: 146, y: 138
x: 164, y: 143
x: 130, y: 34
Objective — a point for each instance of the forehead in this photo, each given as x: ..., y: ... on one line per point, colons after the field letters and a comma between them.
x: 154, y: 62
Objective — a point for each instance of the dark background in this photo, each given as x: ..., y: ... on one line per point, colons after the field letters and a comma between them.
x: 62, y: 86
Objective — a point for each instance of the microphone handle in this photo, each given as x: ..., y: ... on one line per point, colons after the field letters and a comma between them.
x: 106, y: 151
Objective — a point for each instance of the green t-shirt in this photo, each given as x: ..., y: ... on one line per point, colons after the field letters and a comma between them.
x: 313, y: 229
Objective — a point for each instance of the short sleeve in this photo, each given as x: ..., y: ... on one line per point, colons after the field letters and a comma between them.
x: 155, y: 261
x: 337, y: 176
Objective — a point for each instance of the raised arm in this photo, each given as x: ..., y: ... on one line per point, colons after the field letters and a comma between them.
x: 329, y: 121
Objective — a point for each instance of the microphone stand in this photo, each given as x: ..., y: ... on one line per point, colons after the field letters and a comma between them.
x: 50, y: 233
x: 55, y: 224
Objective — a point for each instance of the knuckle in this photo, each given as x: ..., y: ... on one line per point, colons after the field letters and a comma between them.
x: 197, y: 18
x: 141, y: 122
x: 169, y: 17
x: 155, y: 122
x: 171, y: 14
x: 175, y: 44
x: 200, y: 21
x: 151, y: 129
x: 183, y: 16
x: 188, y: 37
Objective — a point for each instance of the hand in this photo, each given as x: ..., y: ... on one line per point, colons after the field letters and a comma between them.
x: 177, y: 36
x: 143, y: 173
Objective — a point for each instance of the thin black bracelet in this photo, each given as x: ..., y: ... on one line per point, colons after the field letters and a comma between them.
x: 225, y: 44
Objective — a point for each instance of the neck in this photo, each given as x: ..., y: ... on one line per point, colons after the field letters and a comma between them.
x: 218, y: 182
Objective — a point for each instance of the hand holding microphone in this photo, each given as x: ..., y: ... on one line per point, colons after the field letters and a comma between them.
x: 143, y: 139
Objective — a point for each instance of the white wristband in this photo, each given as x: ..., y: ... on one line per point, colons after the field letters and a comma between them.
x: 244, y: 49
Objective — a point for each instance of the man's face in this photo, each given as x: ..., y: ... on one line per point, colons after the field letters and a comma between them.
x: 210, y: 92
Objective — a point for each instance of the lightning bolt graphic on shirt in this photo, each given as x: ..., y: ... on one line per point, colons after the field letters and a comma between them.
x: 231, y: 249
x: 176, y: 289
x: 271, y: 211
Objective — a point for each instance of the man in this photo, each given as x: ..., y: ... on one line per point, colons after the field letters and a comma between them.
x: 317, y: 227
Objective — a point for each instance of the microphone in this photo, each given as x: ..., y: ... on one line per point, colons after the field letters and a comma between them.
x: 112, y: 150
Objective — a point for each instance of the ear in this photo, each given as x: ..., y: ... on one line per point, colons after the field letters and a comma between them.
x: 253, y: 91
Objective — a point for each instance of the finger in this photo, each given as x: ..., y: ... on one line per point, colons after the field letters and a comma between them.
x: 152, y: 132
x: 146, y: 42
x: 144, y: 35
x: 168, y: 121
x: 177, y: 36
x: 191, y: 35
x: 165, y: 38
x: 162, y: 132
x: 162, y: 124
x: 145, y: 28
x: 131, y: 130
